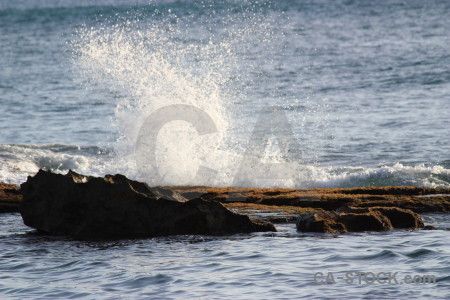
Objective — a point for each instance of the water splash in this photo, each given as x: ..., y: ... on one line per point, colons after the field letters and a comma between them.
x: 164, y: 61
x: 207, y: 60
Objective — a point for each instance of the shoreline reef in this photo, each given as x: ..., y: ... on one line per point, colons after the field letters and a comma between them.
x: 332, y: 210
x: 285, y: 205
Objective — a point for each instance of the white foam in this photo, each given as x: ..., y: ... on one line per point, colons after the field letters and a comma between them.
x: 154, y: 65
x: 20, y: 161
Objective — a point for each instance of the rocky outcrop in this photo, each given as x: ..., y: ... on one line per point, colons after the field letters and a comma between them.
x: 417, y: 199
x: 116, y: 207
x: 326, y: 221
x: 351, y: 219
x: 370, y: 205
x: 399, y: 218
x: 10, y: 198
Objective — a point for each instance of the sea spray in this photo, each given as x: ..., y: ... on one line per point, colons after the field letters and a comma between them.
x: 159, y: 63
x: 152, y: 61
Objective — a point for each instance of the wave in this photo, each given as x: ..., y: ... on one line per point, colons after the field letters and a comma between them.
x: 386, y: 175
x: 19, y: 161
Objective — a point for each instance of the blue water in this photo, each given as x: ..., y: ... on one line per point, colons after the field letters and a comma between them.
x: 278, y: 265
x: 364, y: 85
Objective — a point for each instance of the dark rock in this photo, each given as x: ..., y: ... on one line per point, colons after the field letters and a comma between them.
x: 429, y: 227
x: 400, y: 218
x: 349, y: 219
x: 10, y: 198
x: 326, y: 221
x: 116, y: 207
x: 369, y: 221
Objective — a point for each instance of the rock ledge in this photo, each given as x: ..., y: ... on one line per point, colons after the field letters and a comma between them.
x: 116, y: 207
x: 349, y: 219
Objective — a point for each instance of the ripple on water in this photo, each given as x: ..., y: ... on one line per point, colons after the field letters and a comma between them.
x: 419, y: 253
x: 242, y: 266
x: 381, y: 255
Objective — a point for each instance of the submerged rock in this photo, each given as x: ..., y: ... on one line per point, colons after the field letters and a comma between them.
x: 116, y: 207
x: 349, y: 219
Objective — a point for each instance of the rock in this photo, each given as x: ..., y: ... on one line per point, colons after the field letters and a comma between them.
x: 10, y: 198
x: 116, y: 207
x: 369, y: 221
x: 271, y: 213
x: 326, y: 221
x: 400, y: 218
x: 349, y: 219
x: 417, y: 199
x: 429, y: 227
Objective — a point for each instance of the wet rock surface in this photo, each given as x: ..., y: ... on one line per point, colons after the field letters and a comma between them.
x: 273, y: 205
x: 10, y: 198
x: 333, y: 210
x: 116, y: 207
x: 417, y: 199
x: 360, y: 219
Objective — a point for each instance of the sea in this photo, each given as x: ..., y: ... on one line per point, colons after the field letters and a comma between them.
x: 289, y: 94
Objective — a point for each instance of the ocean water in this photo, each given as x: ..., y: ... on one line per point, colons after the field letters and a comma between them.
x: 365, y: 88
x: 279, y: 265
x: 337, y: 93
